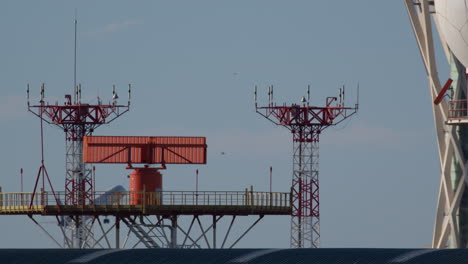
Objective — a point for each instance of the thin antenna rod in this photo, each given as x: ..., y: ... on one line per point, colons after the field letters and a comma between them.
x: 357, y: 98
x: 269, y: 95
x: 74, y: 62
x: 129, y: 94
x: 21, y: 171
x: 271, y: 180
x: 255, y: 96
x: 341, y: 98
x: 42, y: 126
x: 27, y: 93
x: 344, y: 94
x: 357, y: 103
x: 272, y: 94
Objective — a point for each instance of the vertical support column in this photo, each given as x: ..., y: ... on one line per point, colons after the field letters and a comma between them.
x: 173, y: 231
x: 76, y: 236
x: 214, y: 231
x: 117, y: 232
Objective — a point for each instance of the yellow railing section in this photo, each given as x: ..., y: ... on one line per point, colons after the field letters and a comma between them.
x: 19, y: 201
x: 22, y: 201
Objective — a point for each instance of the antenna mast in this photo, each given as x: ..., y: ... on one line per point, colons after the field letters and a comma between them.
x: 77, y: 121
x: 75, y: 91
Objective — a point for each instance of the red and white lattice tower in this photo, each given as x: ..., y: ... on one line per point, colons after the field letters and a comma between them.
x: 306, y: 124
x: 77, y: 121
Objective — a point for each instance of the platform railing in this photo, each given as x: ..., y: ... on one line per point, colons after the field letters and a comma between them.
x: 20, y: 199
x: 458, y: 109
x: 170, y: 198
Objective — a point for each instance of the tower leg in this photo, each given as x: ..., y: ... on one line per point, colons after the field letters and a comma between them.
x: 305, y: 220
x: 78, y: 186
x: 314, y: 191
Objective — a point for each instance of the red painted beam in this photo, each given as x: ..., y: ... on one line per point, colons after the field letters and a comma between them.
x: 443, y: 91
x: 144, y: 150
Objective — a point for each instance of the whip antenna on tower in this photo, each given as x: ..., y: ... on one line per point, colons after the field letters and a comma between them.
x: 75, y: 92
x: 255, y: 96
x: 27, y: 93
x: 129, y: 93
x: 357, y: 99
x: 343, y: 94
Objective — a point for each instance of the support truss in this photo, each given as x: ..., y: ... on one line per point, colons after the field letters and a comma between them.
x: 169, y: 232
x: 154, y: 231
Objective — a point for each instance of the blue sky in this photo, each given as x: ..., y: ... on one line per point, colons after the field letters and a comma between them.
x: 193, y: 66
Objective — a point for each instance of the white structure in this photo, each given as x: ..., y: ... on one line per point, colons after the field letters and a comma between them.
x: 452, y: 17
x: 450, y: 20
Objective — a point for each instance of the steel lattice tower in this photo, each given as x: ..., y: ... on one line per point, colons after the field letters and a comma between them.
x: 77, y: 120
x: 306, y: 123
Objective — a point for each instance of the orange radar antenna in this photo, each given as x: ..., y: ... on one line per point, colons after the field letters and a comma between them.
x: 147, y: 151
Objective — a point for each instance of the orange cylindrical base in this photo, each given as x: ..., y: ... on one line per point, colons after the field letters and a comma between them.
x: 145, y: 186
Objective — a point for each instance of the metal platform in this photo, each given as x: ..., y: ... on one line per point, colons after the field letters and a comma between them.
x: 457, y: 121
x: 457, y: 112
x: 149, y: 203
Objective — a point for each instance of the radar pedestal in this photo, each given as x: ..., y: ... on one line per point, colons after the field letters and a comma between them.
x: 144, y: 180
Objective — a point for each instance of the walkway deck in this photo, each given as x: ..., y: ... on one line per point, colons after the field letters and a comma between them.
x: 149, y: 203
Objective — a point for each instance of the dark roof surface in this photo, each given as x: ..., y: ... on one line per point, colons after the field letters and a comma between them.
x: 219, y: 256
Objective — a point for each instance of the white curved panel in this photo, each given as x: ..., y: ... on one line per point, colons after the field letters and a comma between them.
x: 464, y: 33
x: 456, y: 13
x: 441, y: 7
x: 453, y: 19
